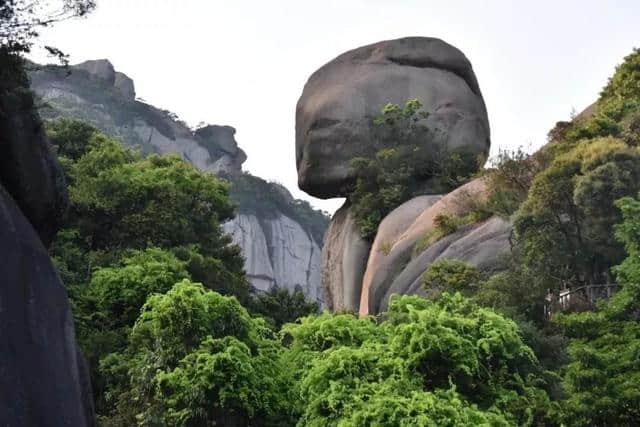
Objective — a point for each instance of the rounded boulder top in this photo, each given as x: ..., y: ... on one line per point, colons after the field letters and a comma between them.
x: 335, y: 112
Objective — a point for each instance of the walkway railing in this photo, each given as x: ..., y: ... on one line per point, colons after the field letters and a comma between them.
x: 580, y: 297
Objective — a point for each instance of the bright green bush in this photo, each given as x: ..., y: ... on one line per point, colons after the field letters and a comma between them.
x: 195, y: 357
x: 429, y: 362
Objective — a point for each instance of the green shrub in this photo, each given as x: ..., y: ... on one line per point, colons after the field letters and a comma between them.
x: 447, y: 275
x: 403, y: 160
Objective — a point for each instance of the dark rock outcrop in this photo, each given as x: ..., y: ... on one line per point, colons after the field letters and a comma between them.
x: 339, y: 102
x: 43, y: 378
x: 29, y: 170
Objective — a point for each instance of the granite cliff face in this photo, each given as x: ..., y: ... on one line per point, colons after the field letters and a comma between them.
x: 280, y: 237
x: 334, y: 120
x: 44, y: 378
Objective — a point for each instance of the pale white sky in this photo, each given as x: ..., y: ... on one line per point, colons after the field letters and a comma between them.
x: 244, y: 63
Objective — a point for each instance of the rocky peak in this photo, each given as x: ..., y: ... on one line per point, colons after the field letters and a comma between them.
x: 103, y: 70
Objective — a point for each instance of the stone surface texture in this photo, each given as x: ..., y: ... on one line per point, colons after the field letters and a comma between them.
x: 344, y: 258
x: 340, y: 100
x: 278, y: 251
x: 43, y: 377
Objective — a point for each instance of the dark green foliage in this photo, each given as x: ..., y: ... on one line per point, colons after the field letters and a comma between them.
x: 565, y: 226
x: 283, y: 306
x: 509, y: 179
x: 603, y: 377
x: 447, y: 362
x: 400, y: 165
x: 447, y: 275
x: 255, y: 196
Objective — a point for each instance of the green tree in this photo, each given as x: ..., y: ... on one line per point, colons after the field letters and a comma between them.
x: 195, y: 357
x: 603, y: 376
x: 448, y: 275
x: 427, y: 363
x: 564, y: 227
x: 283, y: 306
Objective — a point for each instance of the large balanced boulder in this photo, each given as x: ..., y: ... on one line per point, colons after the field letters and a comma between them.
x: 43, y: 378
x: 335, y: 113
x: 335, y: 124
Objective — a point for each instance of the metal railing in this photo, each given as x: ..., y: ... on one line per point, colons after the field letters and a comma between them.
x: 583, y: 296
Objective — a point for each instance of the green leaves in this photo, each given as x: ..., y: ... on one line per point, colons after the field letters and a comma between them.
x: 444, y: 362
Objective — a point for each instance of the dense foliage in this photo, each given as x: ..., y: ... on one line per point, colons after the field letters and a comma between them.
x: 404, y: 159
x: 447, y: 362
x: 138, y: 225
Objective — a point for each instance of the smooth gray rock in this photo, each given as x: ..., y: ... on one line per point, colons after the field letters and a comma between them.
x: 390, y: 230
x: 246, y: 232
x: 43, y: 380
x: 339, y: 102
x: 220, y: 137
x: 344, y: 259
x: 482, y: 245
x: 29, y: 170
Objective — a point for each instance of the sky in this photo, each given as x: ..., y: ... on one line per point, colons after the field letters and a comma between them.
x: 244, y: 63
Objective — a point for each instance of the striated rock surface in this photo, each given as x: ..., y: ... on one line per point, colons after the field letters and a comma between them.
x: 339, y: 102
x: 380, y: 275
x: 344, y: 258
x: 278, y: 251
x: 246, y: 232
x: 482, y: 245
x: 44, y: 380
x: 95, y: 92
x: 390, y: 230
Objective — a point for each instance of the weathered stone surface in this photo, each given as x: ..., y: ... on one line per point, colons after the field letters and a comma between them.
x: 381, y: 275
x: 99, y: 68
x: 335, y: 112
x: 344, y: 259
x: 247, y: 233
x: 295, y: 257
x: 278, y: 251
x: 29, y: 169
x: 94, y: 91
x: 125, y: 86
x: 390, y: 229
x: 44, y: 382
x: 482, y: 245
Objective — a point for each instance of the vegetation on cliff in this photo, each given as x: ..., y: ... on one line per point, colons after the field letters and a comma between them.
x: 403, y: 161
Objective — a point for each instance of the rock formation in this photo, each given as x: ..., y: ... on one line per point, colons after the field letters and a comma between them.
x: 339, y: 102
x: 95, y: 92
x: 277, y: 243
x: 289, y: 257
x: 334, y: 119
x: 44, y: 381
